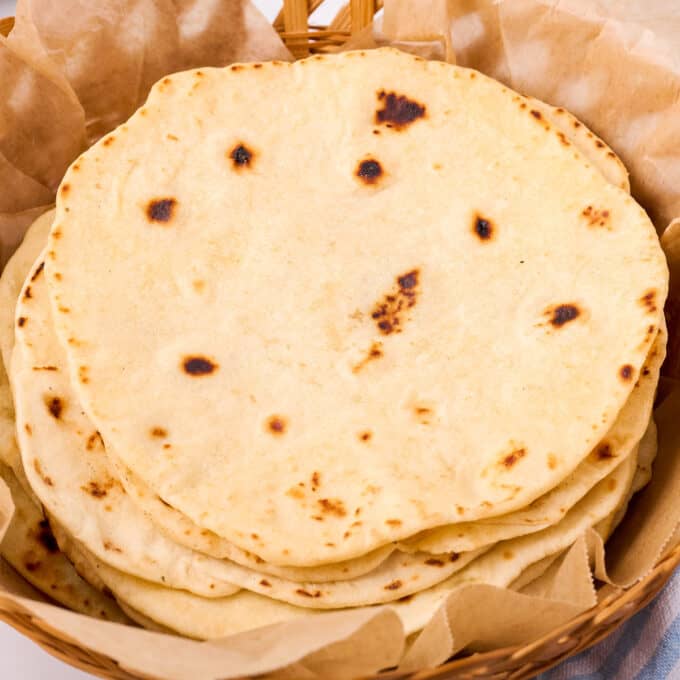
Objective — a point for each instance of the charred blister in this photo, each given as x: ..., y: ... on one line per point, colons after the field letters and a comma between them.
x: 332, y: 506
x: 55, y: 406
x: 198, y: 366
x: 161, y: 210
x: 276, y: 425
x: 560, y: 315
x: 369, y: 171
x: 648, y: 301
x: 597, y: 217
x: 241, y: 157
x: 38, y: 271
x: 626, y: 372
x: 394, y: 585
x: 158, y: 432
x: 374, y: 353
x: 603, y: 451
x: 483, y: 228
x: 390, y: 313
x: 509, y: 460
x: 398, y: 111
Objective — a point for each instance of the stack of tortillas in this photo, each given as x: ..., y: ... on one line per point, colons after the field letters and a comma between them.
x: 338, y: 333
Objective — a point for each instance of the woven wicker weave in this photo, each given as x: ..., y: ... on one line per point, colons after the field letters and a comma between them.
x: 510, y: 663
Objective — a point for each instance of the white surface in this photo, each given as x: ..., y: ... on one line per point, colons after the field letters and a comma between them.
x: 21, y: 659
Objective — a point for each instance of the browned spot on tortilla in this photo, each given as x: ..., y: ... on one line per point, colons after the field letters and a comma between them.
x: 369, y: 171
x: 536, y: 114
x: 111, y: 547
x: 172, y: 138
x: 611, y: 484
x: 645, y: 371
x: 398, y: 110
x: 306, y: 593
x: 393, y: 522
x: 39, y: 471
x: 394, y: 585
x: 626, y: 372
x: 29, y: 429
x: 198, y: 285
x: 46, y: 538
x: 257, y: 65
x: 599, y: 144
x: 277, y: 425
x: 508, y: 555
x: 316, y: 480
x: 27, y: 293
x: 161, y: 209
x: 604, y: 451
x: 483, y: 228
x: 611, y: 154
x: 64, y: 189
x: 295, y: 492
x: 109, y: 140
x: 317, y: 518
x: 55, y: 405
x: 199, y: 366
x: 374, y: 353
x: 376, y: 132
x: 460, y: 510
x: 167, y: 446
x: 45, y: 368
x: 21, y: 321
x: 523, y: 105
x: 95, y: 439
x: 563, y: 139
x: 159, y: 432
x: 265, y: 583
x: 648, y: 301
x: 406, y: 598
x: 596, y: 217
x: 434, y: 562
x: 358, y: 523
x: 241, y: 156
x: 552, y: 461
x: 98, y: 489
x: 510, y: 459
x: 58, y: 276
x: 83, y: 374
x: 38, y: 271
x: 562, y: 314
x: 365, y: 436
x: 389, y: 313
x: 332, y: 506
x: 236, y: 67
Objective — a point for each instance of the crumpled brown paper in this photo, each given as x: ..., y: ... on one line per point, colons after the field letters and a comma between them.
x: 71, y: 71
x: 615, y: 63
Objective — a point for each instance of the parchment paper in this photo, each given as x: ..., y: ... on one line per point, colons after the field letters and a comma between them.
x: 71, y: 71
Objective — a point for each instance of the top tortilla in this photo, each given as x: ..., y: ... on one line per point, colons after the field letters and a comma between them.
x: 407, y: 301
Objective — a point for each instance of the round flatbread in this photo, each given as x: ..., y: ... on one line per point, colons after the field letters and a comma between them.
x: 413, y: 291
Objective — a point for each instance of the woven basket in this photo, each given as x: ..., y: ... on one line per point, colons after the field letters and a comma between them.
x: 523, y: 661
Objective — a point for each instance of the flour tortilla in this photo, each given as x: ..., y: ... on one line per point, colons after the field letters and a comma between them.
x: 14, y: 275
x: 209, y: 291
x: 629, y: 427
x: 204, y: 618
x: 588, y: 143
x: 183, y: 531
x: 542, y: 513
x: 11, y: 281
x: 69, y: 470
x: 30, y: 548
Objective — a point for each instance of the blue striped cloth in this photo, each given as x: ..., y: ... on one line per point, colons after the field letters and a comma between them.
x: 647, y: 647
